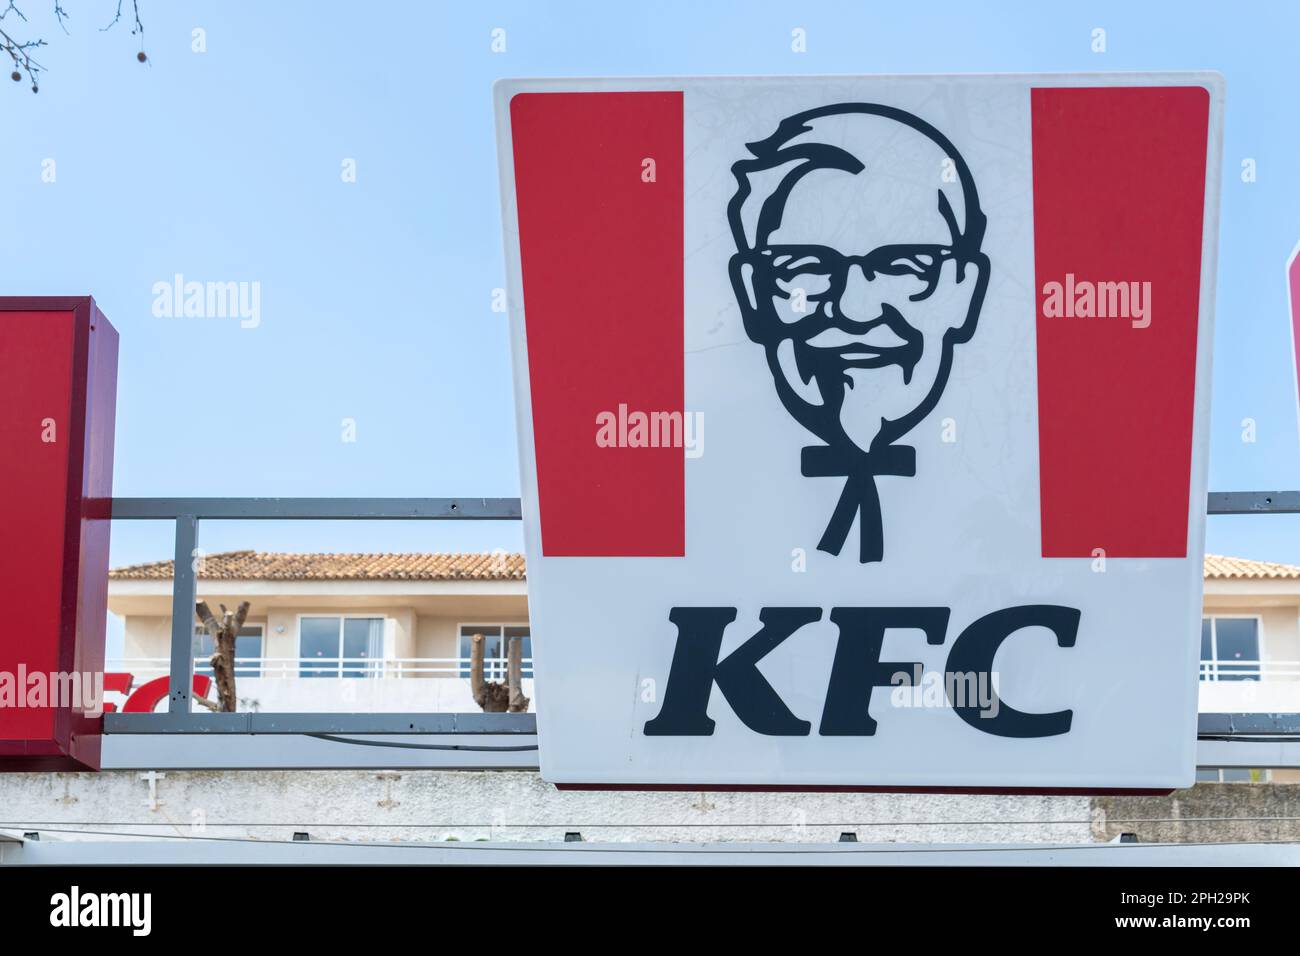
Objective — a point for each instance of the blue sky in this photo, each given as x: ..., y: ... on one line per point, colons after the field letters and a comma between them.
x: 376, y: 295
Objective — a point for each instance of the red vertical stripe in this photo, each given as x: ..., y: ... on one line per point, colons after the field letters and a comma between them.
x: 37, y: 378
x: 603, y: 303
x: 1119, y: 196
x: 1293, y: 299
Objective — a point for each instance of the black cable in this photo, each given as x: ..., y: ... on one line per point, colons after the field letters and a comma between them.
x: 642, y: 848
x: 1268, y: 739
x: 405, y: 746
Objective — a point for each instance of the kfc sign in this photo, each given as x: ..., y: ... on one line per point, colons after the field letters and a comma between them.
x: 863, y: 425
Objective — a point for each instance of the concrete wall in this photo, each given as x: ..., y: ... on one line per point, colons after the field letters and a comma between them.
x: 466, y: 805
x: 151, y: 636
x: 147, y: 637
x: 435, y: 636
x: 1281, y: 638
x: 439, y: 636
x: 1208, y: 813
x: 503, y: 806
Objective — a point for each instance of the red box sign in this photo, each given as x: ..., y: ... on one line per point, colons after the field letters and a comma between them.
x: 58, y: 393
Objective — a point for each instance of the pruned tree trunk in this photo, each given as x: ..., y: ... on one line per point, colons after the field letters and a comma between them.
x: 492, y: 696
x: 515, y: 676
x: 224, y: 632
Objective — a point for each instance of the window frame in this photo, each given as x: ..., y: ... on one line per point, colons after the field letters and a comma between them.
x: 340, y: 617
x: 1212, y: 673
x: 1254, y: 775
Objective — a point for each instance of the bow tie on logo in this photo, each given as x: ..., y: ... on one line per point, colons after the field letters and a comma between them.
x: 859, y: 495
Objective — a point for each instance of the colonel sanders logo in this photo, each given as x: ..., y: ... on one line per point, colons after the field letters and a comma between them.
x: 858, y: 269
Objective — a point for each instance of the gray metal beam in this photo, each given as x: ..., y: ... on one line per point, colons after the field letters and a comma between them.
x: 1253, y: 502
x: 1238, y: 754
x: 165, y: 741
x: 1248, y: 741
x: 1250, y: 725
x: 300, y: 752
x: 163, y: 751
x: 502, y: 509
x: 184, y: 595
x: 264, y: 723
x: 320, y: 509
x: 478, y: 723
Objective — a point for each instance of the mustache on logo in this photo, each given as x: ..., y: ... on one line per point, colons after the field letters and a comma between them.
x: 844, y: 343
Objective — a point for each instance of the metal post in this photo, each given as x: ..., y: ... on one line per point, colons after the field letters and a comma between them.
x: 184, y: 597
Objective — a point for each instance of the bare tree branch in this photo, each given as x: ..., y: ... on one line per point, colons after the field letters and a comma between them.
x: 20, y: 50
x: 135, y: 9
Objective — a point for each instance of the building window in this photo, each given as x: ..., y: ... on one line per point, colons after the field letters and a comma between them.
x: 248, y: 651
x: 1232, y: 775
x: 1230, y: 648
x: 495, y: 648
x: 340, y: 646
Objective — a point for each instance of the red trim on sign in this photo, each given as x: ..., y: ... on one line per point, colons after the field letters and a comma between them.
x: 1119, y: 197
x: 1293, y: 302
x: 602, y: 251
x: 39, y: 383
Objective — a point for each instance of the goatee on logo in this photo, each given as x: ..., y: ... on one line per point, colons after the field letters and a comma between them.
x: 858, y: 269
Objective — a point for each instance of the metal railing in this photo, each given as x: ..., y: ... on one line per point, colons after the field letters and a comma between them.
x: 288, y: 668
x: 187, y: 513
x: 1265, y: 671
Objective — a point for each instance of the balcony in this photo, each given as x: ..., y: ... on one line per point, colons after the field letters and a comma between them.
x: 1249, y: 687
x: 322, y: 685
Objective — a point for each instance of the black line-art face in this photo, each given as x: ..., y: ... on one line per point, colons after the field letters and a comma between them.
x: 858, y: 268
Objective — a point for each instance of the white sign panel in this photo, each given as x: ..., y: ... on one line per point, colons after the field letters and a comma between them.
x: 863, y: 425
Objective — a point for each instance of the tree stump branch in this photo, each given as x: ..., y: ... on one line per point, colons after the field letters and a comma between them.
x: 496, y: 697
x: 224, y: 633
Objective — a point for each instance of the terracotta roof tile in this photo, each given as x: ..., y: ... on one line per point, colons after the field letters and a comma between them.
x: 1243, y: 569
x: 498, y: 566
x: 264, y: 566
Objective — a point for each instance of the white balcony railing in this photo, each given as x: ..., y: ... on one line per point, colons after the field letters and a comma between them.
x: 366, y: 685
x: 1250, y: 670
x: 147, y: 668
